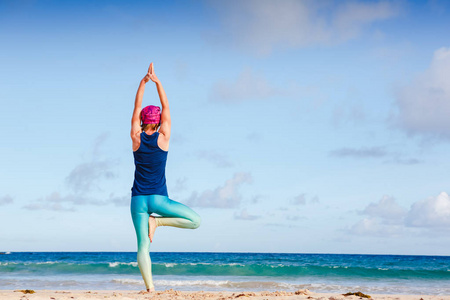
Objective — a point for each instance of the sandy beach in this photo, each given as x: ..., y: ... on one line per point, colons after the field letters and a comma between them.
x: 173, y: 295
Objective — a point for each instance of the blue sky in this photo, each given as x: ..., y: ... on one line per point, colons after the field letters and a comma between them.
x: 298, y: 126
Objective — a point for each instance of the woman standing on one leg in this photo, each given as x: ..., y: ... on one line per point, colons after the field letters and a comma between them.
x: 149, y: 192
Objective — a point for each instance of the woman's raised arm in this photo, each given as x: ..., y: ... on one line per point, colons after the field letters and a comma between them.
x: 165, y: 114
x: 135, y: 119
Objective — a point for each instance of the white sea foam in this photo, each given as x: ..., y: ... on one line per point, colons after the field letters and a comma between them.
x: 116, y: 263
x: 47, y: 263
x: 128, y: 281
x: 275, y: 266
x: 205, y: 284
x: 170, y: 265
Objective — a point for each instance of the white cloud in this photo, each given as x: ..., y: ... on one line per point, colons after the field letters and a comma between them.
x: 386, y: 209
x: 387, y: 218
x: 259, y: 26
x: 7, y: 199
x: 351, y: 17
x: 84, y: 177
x: 373, y: 227
x: 82, y: 180
x: 424, y: 105
x: 87, y: 176
x: 433, y: 212
x: 226, y: 196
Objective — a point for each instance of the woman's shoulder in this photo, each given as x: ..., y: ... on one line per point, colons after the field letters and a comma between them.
x: 163, y: 142
x: 136, y: 141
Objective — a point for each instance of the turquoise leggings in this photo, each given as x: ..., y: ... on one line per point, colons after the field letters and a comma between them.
x: 172, y: 214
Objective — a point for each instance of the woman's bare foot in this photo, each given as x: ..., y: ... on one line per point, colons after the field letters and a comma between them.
x: 151, y: 227
x: 147, y: 291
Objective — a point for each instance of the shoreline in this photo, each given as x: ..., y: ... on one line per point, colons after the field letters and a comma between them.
x: 222, y: 295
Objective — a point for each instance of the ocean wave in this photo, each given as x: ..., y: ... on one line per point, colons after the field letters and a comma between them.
x: 227, y: 269
x: 226, y: 284
x: 115, y: 264
x: 45, y: 263
x: 127, y: 281
x: 373, y: 274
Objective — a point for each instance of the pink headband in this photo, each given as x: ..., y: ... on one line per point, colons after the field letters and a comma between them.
x: 151, y: 115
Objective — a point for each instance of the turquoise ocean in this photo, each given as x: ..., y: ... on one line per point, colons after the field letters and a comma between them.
x: 376, y: 274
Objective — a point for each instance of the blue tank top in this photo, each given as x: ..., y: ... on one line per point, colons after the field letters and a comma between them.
x: 150, y: 162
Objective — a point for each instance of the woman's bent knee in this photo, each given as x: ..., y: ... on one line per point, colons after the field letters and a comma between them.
x: 196, y: 221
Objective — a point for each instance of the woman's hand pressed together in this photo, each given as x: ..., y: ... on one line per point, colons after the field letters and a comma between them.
x: 151, y: 74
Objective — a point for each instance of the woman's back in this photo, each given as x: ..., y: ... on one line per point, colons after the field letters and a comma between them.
x: 150, y: 161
